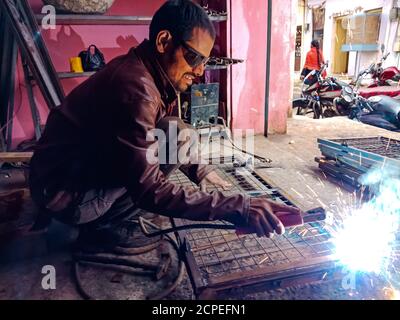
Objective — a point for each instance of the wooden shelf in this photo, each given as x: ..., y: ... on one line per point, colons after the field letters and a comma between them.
x: 10, y: 157
x: 218, y: 18
x: 216, y: 67
x: 94, y: 19
x: 68, y: 75
x: 89, y: 19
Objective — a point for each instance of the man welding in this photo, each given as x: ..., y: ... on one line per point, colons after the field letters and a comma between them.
x: 90, y: 167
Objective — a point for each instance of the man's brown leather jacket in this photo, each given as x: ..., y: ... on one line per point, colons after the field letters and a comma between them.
x: 97, y: 139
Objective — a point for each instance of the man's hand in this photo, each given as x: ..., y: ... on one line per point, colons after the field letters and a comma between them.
x: 214, y: 179
x: 263, y: 217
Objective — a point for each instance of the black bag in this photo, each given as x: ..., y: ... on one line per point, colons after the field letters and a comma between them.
x: 92, y: 62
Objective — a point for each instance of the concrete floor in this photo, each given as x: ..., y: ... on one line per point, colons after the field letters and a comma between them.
x: 293, y: 171
x: 293, y: 156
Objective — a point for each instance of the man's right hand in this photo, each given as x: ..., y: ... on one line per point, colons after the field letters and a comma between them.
x: 263, y: 217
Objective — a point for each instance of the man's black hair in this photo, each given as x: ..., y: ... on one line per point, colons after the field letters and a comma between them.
x: 180, y: 17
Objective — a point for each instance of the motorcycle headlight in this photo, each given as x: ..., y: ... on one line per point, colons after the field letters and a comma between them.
x: 348, y: 98
x: 348, y: 90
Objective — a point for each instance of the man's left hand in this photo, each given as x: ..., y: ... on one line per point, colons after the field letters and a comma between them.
x: 214, y: 179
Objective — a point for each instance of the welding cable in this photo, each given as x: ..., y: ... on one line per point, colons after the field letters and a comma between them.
x: 259, y: 158
x: 106, y: 259
x: 119, y: 262
x: 177, y: 281
x: 111, y: 262
x: 316, y: 214
x: 78, y: 281
x: 143, y: 221
x: 163, y: 294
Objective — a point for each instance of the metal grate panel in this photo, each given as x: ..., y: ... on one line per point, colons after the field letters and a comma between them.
x: 224, y: 258
x: 363, y: 154
x: 379, y: 145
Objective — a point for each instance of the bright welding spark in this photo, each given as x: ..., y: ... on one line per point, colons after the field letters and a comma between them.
x: 383, y: 163
x: 388, y: 145
x: 301, y: 176
x: 321, y: 203
x: 365, y: 239
x: 263, y: 260
x: 314, y: 193
x: 298, y: 193
x: 292, y: 230
x: 391, y: 293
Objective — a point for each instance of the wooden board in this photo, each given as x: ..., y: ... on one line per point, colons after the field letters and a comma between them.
x: 10, y: 157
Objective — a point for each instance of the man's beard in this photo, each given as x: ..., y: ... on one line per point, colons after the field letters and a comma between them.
x: 181, y: 87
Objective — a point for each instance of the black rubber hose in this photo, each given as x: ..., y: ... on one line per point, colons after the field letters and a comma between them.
x: 189, y: 227
x: 102, y: 259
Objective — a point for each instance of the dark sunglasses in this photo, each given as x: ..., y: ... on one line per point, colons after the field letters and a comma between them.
x: 193, y: 57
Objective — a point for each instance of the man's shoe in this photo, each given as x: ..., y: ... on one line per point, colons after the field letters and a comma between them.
x: 125, y: 236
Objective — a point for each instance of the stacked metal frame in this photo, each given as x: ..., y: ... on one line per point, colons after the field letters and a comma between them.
x: 348, y: 159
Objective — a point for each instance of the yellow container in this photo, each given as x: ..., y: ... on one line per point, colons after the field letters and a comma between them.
x: 76, y: 64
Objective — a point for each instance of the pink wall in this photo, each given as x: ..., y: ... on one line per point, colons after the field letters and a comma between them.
x: 282, y: 63
x: 249, y: 42
x: 68, y: 41
x: 249, y: 34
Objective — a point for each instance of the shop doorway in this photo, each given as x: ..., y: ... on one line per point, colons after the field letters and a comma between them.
x: 340, y: 58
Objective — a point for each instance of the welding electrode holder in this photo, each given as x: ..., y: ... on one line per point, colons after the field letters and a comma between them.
x: 313, y: 215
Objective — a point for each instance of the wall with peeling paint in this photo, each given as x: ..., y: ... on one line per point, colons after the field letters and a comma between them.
x: 67, y: 41
x: 249, y: 42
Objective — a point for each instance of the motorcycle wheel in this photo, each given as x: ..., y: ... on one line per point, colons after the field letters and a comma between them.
x: 329, y: 113
x: 343, y: 109
x: 305, y: 110
x: 317, y: 110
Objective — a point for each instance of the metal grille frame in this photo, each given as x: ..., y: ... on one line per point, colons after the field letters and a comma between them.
x: 219, y: 261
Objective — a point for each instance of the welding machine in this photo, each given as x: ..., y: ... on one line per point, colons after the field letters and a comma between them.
x: 200, y: 105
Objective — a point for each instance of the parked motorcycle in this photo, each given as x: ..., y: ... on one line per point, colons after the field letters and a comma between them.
x: 379, y: 111
x: 323, y: 97
x: 329, y: 97
x: 373, y: 89
x: 380, y: 76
